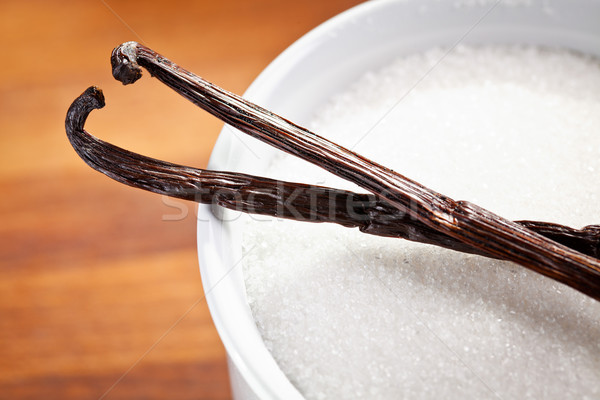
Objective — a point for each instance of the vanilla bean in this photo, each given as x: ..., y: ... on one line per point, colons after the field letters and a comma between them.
x: 460, y: 220
x: 263, y: 196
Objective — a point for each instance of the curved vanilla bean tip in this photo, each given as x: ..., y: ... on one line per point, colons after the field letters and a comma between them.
x: 123, y: 165
x: 124, y: 63
x: 91, y: 99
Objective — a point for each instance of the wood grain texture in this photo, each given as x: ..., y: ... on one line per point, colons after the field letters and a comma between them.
x: 95, y: 273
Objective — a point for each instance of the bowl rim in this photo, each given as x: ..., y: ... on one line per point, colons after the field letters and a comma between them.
x: 207, y: 220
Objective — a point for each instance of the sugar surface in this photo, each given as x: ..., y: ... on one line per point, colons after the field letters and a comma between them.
x: 347, y: 315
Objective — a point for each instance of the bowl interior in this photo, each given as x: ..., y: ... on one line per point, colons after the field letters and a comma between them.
x: 305, y: 76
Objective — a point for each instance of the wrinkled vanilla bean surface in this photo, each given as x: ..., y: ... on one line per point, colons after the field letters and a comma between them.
x: 263, y: 196
x: 461, y: 220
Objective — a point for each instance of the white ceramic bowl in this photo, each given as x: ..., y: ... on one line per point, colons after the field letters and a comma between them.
x: 307, y: 74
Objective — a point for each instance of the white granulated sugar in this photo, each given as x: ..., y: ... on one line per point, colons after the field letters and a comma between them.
x: 353, y: 316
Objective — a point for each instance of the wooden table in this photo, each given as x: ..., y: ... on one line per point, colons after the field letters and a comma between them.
x: 100, y: 294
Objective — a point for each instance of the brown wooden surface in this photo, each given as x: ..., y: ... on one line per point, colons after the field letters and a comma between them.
x: 99, y: 282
